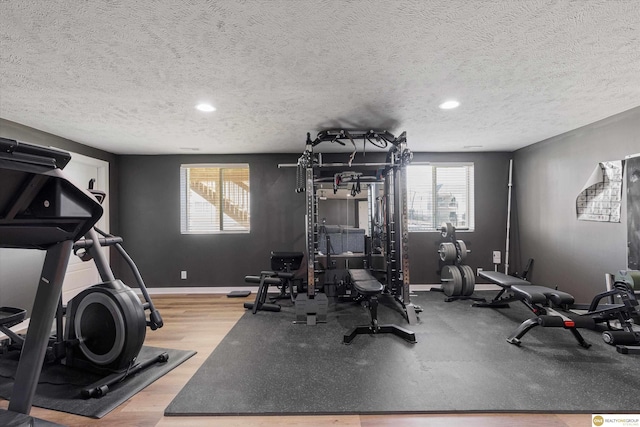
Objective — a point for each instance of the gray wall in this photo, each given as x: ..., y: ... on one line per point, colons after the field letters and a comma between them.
x: 573, y: 255
x: 547, y: 177
x: 491, y: 179
x: 150, y: 221
x: 20, y: 268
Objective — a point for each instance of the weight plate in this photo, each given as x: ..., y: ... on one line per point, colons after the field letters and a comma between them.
x: 451, y: 280
x: 446, y: 229
x: 457, y: 281
x: 447, y: 252
x: 468, y: 280
x: 461, y: 251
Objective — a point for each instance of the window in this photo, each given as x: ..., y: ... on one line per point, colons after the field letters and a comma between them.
x: 441, y: 192
x: 214, y: 198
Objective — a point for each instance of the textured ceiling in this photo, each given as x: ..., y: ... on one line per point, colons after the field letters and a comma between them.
x: 124, y: 76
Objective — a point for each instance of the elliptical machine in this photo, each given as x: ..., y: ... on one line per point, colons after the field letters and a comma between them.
x: 102, y: 329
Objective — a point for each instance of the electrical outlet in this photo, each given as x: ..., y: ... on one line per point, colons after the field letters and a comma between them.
x: 478, y: 270
x: 496, y: 257
x: 183, y: 275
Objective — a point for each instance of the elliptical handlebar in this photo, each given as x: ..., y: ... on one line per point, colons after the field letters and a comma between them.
x: 103, y: 241
x: 86, y: 248
x: 155, y: 319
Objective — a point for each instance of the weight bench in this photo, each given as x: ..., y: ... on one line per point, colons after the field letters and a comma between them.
x: 266, y: 278
x: 540, y: 300
x: 368, y: 287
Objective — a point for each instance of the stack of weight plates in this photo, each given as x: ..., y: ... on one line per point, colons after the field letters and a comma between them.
x: 457, y: 278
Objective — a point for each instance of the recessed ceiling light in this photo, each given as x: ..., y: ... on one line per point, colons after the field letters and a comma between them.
x: 207, y: 108
x: 448, y: 105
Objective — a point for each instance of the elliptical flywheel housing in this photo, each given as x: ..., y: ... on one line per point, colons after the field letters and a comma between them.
x: 107, y: 321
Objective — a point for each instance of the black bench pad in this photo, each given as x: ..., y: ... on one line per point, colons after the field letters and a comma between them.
x: 502, y: 279
x: 360, y: 274
x: 364, y: 282
x: 540, y: 294
x: 522, y: 289
x: 267, y: 280
x: 280, y: 274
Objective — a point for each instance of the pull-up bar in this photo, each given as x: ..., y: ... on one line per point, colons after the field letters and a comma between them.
x: 337, y: 165
x: 353, y: 165
x: 381, y: 138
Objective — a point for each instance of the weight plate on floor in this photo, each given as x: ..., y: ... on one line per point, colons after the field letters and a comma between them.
x: 446, y: 229
x: 451, y: 280
x: 461, y: 249
x: 447, y: 252
x: 468, y: 280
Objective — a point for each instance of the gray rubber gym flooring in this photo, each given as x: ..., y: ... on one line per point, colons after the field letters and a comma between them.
x: 59, y: 386
x: 462, y: 362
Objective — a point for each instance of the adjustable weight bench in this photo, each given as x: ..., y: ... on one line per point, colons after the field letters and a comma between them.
x: 540, y: 300
x: 368, y: 288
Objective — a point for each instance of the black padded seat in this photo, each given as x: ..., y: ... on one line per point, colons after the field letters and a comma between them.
x: 502, y: 279
x: 368, y: 287
x: 358, y: 274
x: 540, y: 294
x: 263, y: 279
x: 364, y: 282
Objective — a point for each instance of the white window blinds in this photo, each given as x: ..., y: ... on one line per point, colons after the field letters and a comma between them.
x: 214, y: 198
x: 440, y: 193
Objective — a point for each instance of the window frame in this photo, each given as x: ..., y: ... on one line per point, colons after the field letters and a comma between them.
x: 470, y: 193
x: 184, y: 198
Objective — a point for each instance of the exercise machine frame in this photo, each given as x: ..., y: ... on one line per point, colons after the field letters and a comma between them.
x: 73, y: 351
x: 40, y: 208
x: 392, y: 173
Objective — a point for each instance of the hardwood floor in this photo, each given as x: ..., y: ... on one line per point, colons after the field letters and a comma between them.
x: 199, y: 322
